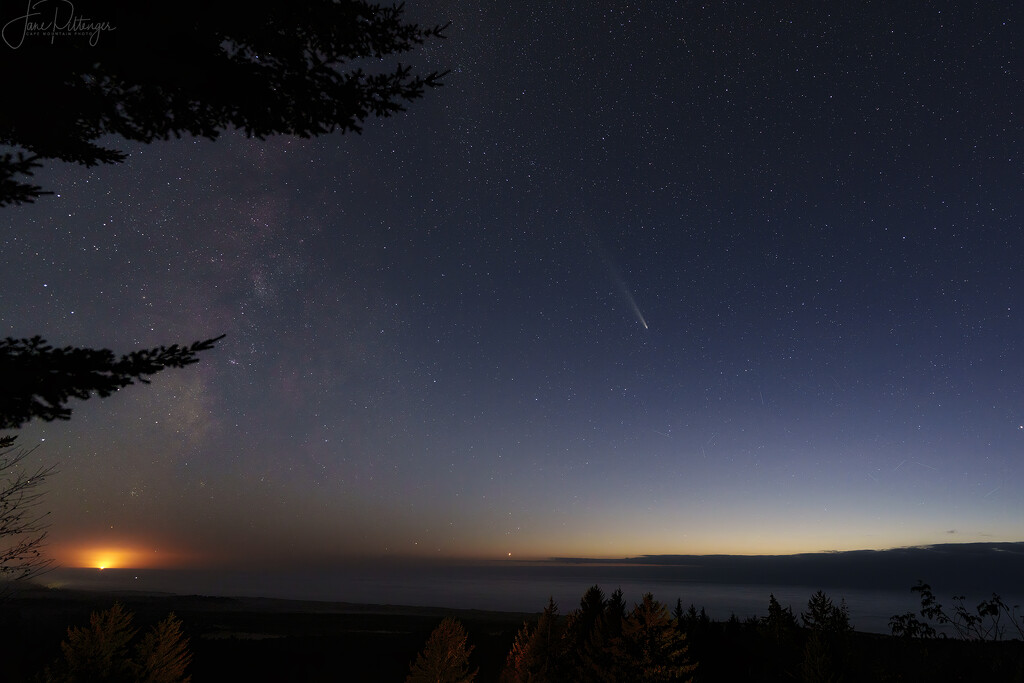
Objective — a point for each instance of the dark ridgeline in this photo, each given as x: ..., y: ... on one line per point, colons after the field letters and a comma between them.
x: 601, y: 640
x: 970, y: 567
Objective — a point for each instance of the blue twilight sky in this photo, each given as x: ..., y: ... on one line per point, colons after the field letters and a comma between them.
x: 675, y: 278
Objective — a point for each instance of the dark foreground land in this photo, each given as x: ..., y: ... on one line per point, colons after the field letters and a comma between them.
x: 255, y: 639
x: 280, y: 640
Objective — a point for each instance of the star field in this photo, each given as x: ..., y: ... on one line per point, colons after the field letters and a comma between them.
x: 687, y: 279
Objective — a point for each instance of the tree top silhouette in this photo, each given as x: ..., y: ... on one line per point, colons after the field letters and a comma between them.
x: 39, y: 380
x: 301, y: 68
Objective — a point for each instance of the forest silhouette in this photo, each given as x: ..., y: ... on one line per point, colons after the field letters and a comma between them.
x: 601, y: 639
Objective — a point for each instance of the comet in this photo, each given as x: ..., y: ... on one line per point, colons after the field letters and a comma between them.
x: 620, y: 281
x: 636, y: 310
x: 628, y: 296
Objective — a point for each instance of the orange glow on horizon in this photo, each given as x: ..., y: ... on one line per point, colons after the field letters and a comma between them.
x: 102, y: 556
x: 110, y: 558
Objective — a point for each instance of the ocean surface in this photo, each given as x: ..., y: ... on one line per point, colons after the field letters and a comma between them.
x: 501, y: 588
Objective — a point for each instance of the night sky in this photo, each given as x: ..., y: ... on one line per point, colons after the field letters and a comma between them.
x: 675, y: 278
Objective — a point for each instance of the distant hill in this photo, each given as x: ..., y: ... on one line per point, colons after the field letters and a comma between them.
x: 960, y: 567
